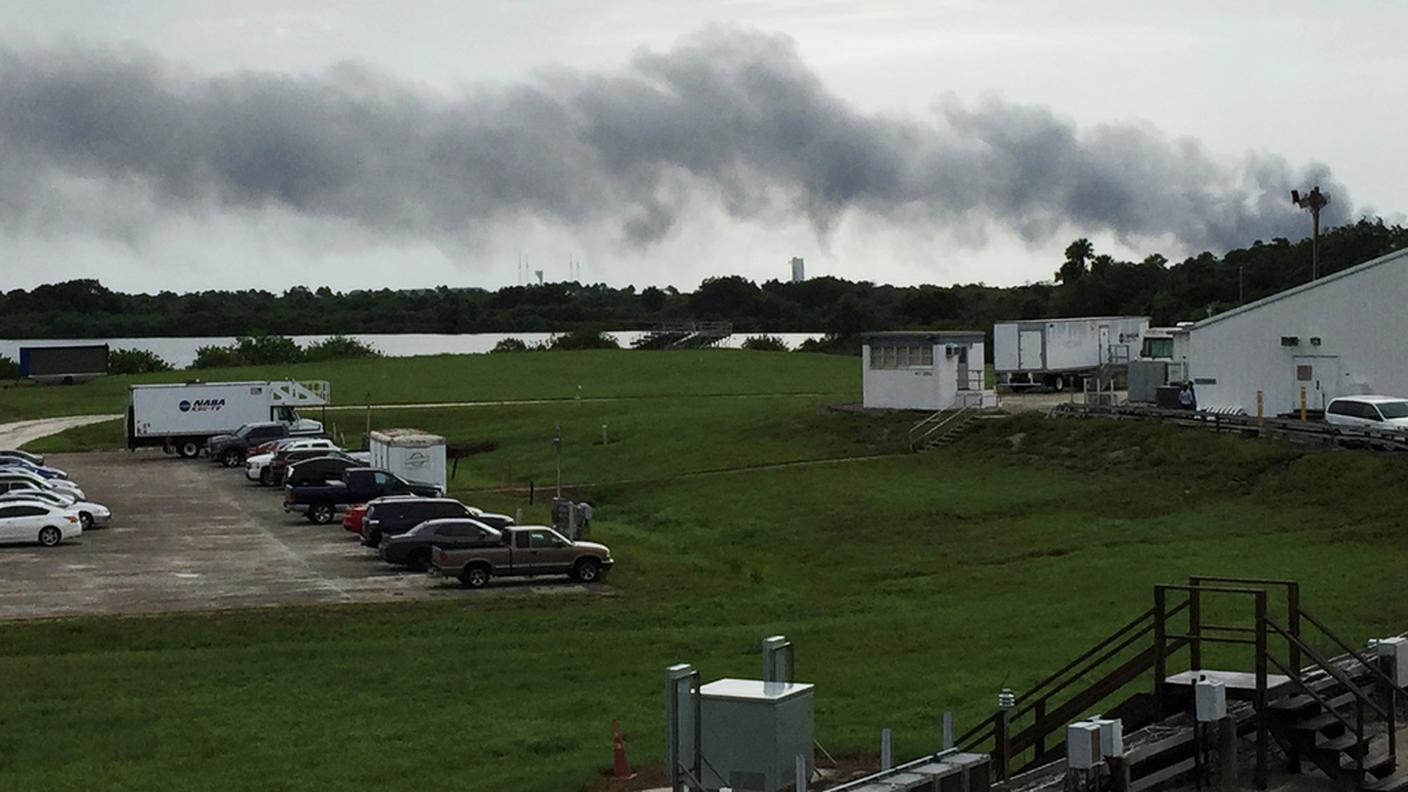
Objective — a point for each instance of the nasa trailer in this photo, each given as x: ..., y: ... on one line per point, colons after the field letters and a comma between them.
x: 181, y: 417
x: 1061, y: 353
x: 413, y: 455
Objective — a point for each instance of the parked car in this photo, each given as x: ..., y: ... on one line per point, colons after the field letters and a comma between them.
x: 525, y: 550
x: 231, y: 449
x: 90, y: 515
x: 391, y: 516
x: 15, y: 453
x: 36, y: 521
x: 39, y: 470
x: 13, y: 479
x: 256, y: 464
x: 329, y: 467
x: 1369, y: 412
x: 352, y: 518
x: 320, y: 502
x: 412, y: 548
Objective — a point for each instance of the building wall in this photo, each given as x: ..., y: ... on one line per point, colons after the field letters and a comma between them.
x: 928, y: 388
x: 1362, y: 324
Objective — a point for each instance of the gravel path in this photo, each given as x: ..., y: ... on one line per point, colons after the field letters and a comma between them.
x: 14, y: 435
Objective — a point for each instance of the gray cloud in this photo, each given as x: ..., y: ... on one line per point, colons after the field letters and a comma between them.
x: 729, y: 116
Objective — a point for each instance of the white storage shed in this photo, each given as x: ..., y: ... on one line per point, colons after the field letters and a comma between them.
x: 1050, y: 351
x: 1342, y: 334
x: 924, y: 370
x: 411, y: 454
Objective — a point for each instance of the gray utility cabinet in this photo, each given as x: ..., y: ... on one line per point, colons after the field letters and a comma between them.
x: 752, y: 733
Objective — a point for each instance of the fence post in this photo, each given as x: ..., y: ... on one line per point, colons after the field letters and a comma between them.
x: 1227, y: 755
x: 947, y: 742
x: 886, y: 757
x: 1195, y: 626
x: 1263, y: 736
x: 801, y: 778
x: 1119, y: 773
x: 999, y: 745
x: 1160, y: 665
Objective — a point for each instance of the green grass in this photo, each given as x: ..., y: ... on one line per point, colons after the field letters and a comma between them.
x: 910, y: 584
x: 449, y: 378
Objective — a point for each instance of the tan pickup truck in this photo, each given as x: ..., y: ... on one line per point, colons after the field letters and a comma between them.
x: 526, y: 550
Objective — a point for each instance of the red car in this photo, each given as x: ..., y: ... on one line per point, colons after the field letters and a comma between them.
x: 352, y: 518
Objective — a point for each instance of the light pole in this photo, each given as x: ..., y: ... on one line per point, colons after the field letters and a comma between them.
x: 1313, y: 201
x: 557, y: 444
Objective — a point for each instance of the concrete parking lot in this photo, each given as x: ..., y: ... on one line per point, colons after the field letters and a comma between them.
x: 189, y: 535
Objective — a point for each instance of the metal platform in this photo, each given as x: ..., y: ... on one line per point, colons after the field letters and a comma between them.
x: 1240, y: 685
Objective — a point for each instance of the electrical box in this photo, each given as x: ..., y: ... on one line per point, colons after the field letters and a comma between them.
x: 1111, y: 736
x: 1395, y: 650
x: 1083, y: 746
x: 411, y: 454
x: 1209, y: 701
x: 753, y: 731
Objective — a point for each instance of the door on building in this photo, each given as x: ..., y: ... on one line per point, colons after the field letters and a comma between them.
x: 1319, y: 375
x: 963, y: 368
x: 1029, y: 349
x: 1104, y: 343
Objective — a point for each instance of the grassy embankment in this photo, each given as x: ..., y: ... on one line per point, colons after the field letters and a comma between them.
x: 910, y: 584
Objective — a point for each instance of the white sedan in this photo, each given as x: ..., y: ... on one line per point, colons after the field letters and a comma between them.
x: 12, y: 479
x: 36, y: 521
x: 254, y: 466
x: 90, y: 515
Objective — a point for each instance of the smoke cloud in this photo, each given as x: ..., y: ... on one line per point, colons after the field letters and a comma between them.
x: 732, y: 117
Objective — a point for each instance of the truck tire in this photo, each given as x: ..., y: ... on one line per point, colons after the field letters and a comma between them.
x: 320, y: 513
x: 588, y: 570
x: 475, y: 576
x: 231, y: 458
x: 266, y: 477
x: 187, y: 449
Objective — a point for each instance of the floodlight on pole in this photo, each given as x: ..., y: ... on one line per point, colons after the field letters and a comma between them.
x: 1313, y: 201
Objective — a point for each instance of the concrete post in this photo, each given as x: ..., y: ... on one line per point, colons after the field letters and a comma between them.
x: 886, y: 757
x: 801, y: 778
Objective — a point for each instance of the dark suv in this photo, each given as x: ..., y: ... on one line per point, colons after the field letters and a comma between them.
x: 231, y: 449
x: 397, y: 515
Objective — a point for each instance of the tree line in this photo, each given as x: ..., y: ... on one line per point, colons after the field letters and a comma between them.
x: 1086, y: 282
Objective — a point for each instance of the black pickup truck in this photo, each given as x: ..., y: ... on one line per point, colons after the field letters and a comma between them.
x: 319, y: 502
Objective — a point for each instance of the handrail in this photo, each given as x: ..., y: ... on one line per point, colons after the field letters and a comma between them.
x: 1374, y: 667
x: 952, y: 416
x: 1148, y: 614
x: 976, y: 734
x: 1319, y: 699
x: 1329, y: 667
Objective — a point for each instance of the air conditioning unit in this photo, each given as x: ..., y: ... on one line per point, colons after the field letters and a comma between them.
x: 1209, y: 700
x: 1083, y: 746
x: 1111, y: 736
x: 1396, y: 650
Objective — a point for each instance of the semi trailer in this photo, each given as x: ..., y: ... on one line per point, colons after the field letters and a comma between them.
x: 181, y: 417
x: 1061, y: 353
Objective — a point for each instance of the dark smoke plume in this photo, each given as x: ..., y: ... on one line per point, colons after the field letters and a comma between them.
x: 732, y: 116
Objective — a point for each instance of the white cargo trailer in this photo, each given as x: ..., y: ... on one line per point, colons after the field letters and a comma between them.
x: 411, y: 454
x: 182, y: 416
x: 1059, y: 352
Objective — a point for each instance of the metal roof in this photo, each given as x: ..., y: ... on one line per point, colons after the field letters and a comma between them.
x: 1293, y: 291
x: 1051, y: 320
x: 925, y: 335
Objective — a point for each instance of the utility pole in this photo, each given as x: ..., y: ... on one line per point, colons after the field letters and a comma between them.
x: 1313, y: 201
x: 1241, y: 291
x: 557, y: 444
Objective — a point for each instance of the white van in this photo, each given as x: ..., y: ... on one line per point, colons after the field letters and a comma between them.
x: 1377, y: 412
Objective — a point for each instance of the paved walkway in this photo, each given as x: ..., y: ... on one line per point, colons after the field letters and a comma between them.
x: 14, y: 435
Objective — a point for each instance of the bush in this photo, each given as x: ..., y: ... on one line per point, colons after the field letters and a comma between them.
x: 260, y: 350
x: 216, y: 357
x: 9, y: 369
x: 832, y: 344
x: 511, y: 345
x: 136, y: 361
x: 764, y: 343
x: 339, y: 348
x: 584, y: 339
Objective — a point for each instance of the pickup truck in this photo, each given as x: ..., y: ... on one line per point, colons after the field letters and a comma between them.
x: 525, y: 550
x: 320, y: 502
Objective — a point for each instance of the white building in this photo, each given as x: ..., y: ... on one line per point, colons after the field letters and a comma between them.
x: 799, y: 270
x: 924, y: 370
x: 1342, y: 334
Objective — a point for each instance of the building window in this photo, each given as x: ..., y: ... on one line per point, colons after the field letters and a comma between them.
x: 900, y: 356
x: 1305, y: 373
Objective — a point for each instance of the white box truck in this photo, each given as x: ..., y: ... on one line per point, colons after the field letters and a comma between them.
x: 181, y: 417
x: 1058, y: 353
x: 411, y: 454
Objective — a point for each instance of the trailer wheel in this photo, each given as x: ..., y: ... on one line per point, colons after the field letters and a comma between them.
x: 187, y: 449
x: 1058, y: 383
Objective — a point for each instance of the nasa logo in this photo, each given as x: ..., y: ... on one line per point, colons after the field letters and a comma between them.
x: 185, y: 406
x: 418, y: 460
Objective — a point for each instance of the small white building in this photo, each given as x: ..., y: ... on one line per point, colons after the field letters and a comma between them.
x: 1339, y: 335
x: 924, y: 370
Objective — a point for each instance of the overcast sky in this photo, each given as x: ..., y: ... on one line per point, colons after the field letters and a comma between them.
x: 189, y: 145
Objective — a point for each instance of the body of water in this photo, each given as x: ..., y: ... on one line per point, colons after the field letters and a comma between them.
x: 181, y: 352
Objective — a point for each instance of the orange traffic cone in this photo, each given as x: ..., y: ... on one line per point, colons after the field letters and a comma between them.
x: 622, y: 769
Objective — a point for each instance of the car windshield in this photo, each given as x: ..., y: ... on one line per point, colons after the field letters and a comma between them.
x: 1396, y: 409
x: 244, y: 431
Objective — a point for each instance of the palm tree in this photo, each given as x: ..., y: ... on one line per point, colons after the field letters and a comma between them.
x: 1077, y: 253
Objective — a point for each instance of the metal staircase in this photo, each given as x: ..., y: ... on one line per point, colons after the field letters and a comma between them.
x: 946, y: 426
x: 684, y: 335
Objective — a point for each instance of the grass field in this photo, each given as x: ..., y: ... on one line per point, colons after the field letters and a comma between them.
x: 452, y: 378
x: 909, y: 583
